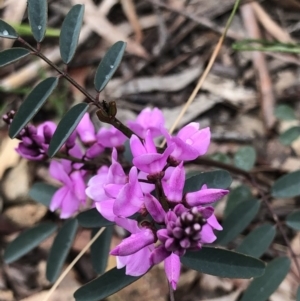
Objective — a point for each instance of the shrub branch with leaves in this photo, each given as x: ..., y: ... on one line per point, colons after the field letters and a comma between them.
x: 137, y: 185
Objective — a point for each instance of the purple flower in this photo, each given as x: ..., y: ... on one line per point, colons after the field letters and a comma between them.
x: 190, y: 142
x: 85, y: 129
x: 145, y: 154
x: 138, y: 248
x: 148, y: 119
x: 71, y: 195
x: 110, y: 137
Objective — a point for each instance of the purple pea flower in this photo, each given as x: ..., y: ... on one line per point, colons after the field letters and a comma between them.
x: 110, y: 137
x: 71, y: 195
x: 145, y: 154
x: 85, y: 130
x: 190, y: 142
x: 148, y: 119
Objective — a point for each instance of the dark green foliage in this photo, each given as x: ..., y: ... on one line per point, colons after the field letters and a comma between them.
x: 104, y: 286
x: 213, y: 179
x: 287, y: 137
x: 9, y: 56
x: 42, y: 193
x: 60, y: 249
x: 287, y: 186
x: 70, y: 31
x: 238, y: 220
x: 6, y: 31
x: 223, y: 263
x: 257, y: 242
x: 92, y: 219
x: 37, y: 14
x: 263, y: 287
x: 285, y: 112
x: 28, y: 240
x: 32, y: 104
x: 245, y: 158
x: 66, y: 127
x: 100, y: 249
x: 236, y: 196
x: 293, y: 220
x: 109, y: 65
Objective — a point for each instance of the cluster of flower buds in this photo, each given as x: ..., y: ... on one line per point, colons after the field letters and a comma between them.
x: 167, y: 222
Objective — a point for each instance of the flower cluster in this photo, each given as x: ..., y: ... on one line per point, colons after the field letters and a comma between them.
x: 148, y: 201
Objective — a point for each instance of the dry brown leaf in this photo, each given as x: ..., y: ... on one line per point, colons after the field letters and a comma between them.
x: 8, y: 156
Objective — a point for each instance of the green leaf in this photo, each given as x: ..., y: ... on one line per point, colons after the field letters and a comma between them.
x: 92, y: 219
x: 9, y: 56
x: 127, y: 152
x: 285, y: 112
x: 100, y: 249
x: 109, y: 65
x: 104, y: 286
x: 213, y: 179
x: 42, y: 193
x: 37, y: 14
x: 293, y: 220
x: 66, y: 127
x: 236, y: 196
x: 287, y: 137
x: 223, y: 263
x: 70, y: 31
x: 287, y: 186
x: 245, y: 158
x: 220, y: 157
x: 32, y: 104
x: 6, y: 31
x: 263, y: 287
x: 60, y: 249
x: 28, y: 240
x: 258, y: 241
x: 298, y: 294
x: 238, y: 220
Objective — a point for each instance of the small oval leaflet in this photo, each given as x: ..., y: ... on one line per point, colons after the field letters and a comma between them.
x: 245, y: 158
x: 32, y: 104
x: 285, y: 112
x: 28, y: 240
x: 237, y: 221
x: 6, y: 31
x: 100, y: 249
x: 37, y: 14
x: 60, y: 249
x: 293, y: 220
x: 66, y: 127
x: 104, y: 286
x: 42, y: 193
x: 92, y: 219
x: 260, y: 289
x: 257, y: 242
x: 223, y: 263
x: 9, y: 56
x: 109, y: 65
x: 70, y: 31
x: 287, y: 186
x: 290, y: 135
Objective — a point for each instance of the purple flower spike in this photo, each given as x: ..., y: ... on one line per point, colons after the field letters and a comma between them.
x: 110, y: 137
x: 148, y: 119
x: 172, y: 269
x: 134, y: 243
x: 86, y: 130
x: 205, y: 196
x: 190, y: 142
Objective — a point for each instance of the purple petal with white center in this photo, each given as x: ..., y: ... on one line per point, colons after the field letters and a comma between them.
x: 154, y: 208
x: 134, y: 243
x: 172, y: 269
x: 205, y: 196
x: 207, y: 234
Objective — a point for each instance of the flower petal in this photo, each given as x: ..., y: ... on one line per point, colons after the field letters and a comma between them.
x: 172, y: 269
x: 154, y: 208
x: 205, y: 196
